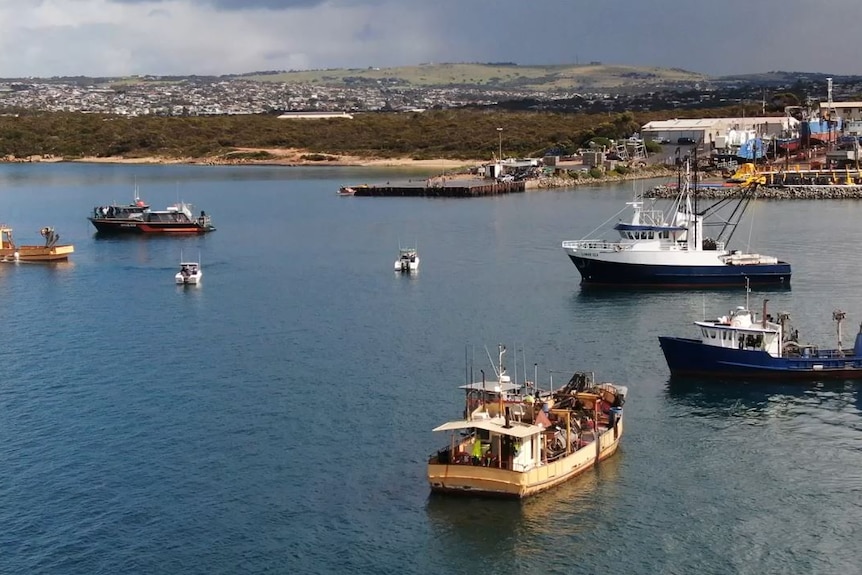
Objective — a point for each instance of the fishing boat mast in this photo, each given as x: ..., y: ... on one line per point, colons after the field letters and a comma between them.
x: 839, y: 316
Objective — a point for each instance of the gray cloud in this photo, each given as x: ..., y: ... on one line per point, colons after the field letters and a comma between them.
x: 241, y: 4
x: 98, y: 37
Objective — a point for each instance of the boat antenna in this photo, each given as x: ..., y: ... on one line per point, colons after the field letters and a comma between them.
x: 694, y: 193
x: 472, y: 361
x: 747, y: 291
x: 515, y: 366
x: 467, y: 390
x: 536, y: 377
x: 482, y: 371
x: 488, y: 353
x: 466, y: 365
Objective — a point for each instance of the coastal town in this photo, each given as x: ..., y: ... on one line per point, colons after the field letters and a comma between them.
x: 801, y: 147
x: 213, y: 96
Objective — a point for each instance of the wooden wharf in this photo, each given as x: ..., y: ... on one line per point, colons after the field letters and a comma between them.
x: 454, y: 189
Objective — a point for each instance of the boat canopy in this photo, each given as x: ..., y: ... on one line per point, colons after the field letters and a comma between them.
x: 623, y: 227
x: 496, y: 425
x: 491, y: 386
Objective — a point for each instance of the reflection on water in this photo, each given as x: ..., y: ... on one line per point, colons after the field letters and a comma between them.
x: 589, y: 290
x: 135, y: 237
x: 753, y: 399
x: 487, y: 530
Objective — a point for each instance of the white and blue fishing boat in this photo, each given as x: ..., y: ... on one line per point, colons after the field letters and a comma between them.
x: 741, y: 344
x: 659, y: 248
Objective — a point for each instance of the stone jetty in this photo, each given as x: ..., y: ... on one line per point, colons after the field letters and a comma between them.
x: 843, y: 192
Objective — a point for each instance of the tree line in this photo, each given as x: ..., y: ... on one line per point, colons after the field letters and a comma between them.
x: 451, y: 134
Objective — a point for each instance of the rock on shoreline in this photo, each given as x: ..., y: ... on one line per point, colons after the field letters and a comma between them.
x: 769, y: 193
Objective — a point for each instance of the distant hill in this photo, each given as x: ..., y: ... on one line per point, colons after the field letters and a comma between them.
x: 586, y: 77
x: 503, y: 76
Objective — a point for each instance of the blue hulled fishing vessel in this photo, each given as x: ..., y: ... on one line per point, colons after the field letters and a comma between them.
x: 743, y: 344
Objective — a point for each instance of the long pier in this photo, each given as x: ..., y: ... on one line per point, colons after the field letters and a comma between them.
x: 454, y: 189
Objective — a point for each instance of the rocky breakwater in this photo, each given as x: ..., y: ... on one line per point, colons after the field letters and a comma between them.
x: 575, y: 179
x: 769, y: 192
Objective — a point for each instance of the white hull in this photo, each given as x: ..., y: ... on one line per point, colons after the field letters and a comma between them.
x: 617, y: 253
x: 191, y: 280
x: 407, y: 265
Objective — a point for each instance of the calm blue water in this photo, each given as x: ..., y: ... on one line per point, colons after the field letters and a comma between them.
x: 276, y: 419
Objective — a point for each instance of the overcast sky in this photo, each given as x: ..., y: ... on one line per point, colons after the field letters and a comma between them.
x: 122, y: 37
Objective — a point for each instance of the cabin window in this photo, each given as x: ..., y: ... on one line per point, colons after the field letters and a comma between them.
x: 712, y: 334
x: 754, y: 341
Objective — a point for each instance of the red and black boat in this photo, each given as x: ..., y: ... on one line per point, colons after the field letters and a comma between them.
x: 138, y: 218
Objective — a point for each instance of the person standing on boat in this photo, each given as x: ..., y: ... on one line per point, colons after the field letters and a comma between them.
x: 542, y: 417
x: 476, y: 451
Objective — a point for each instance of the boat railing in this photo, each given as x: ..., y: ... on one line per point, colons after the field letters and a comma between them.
x: 445, y: 457
x: 602, y: 245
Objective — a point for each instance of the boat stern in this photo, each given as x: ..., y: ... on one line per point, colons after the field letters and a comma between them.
x: 466, y: 479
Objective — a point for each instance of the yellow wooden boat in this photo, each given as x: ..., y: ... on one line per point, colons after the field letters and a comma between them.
x: 517, y: 441
x: 51, y: 251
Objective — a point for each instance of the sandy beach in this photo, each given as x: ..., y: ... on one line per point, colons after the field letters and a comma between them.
x: 287, y: 157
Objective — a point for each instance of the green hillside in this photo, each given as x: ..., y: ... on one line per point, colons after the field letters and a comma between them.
x: 501, y: 76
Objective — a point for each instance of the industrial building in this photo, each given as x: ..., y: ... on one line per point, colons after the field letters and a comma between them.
x: 716, y: 133
x: 314, y: 115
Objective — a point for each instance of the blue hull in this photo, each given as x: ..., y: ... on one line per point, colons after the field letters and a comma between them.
x: 595, y: 272
x: 691, y: 357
